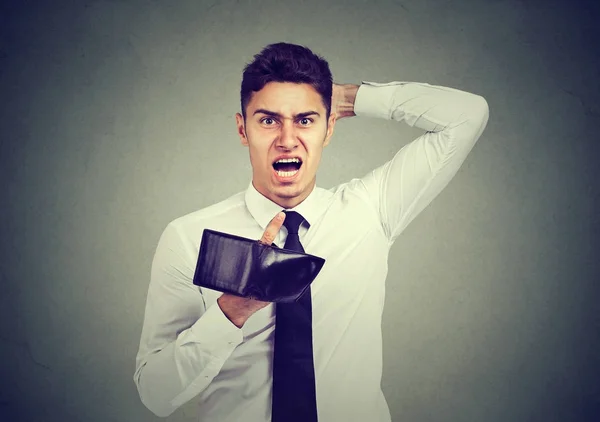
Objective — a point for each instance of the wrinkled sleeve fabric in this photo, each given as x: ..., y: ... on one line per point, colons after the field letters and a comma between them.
x: 453, y: 120
x: 183, y: 344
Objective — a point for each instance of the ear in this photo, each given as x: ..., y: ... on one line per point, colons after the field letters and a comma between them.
x: 330, y: 126
x: 239, y: 119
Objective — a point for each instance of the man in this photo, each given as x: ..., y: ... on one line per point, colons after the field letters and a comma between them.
x: 218, y: 348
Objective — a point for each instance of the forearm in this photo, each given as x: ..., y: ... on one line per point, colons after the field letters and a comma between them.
x: 159, y: 381
x: 170, y: 376
x: 429, y: 107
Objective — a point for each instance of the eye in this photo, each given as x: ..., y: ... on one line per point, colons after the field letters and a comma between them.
x: 267, y: 119
x: 307, y: 120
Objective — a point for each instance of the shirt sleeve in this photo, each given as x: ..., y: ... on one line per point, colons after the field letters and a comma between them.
x: 183, y: 344
x: 453, y: 120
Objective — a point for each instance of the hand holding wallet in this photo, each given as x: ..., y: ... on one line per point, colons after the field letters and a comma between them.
x: 249, y: 268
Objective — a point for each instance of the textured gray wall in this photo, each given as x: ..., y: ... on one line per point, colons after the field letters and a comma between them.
x: 118, y: 116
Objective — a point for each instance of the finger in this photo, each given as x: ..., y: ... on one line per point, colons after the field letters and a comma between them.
x: 272, y: 229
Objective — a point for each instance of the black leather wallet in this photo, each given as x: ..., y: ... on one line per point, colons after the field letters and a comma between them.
x: 245, y: 267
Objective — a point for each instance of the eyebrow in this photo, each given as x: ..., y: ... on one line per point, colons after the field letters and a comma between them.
x: 296, y: 116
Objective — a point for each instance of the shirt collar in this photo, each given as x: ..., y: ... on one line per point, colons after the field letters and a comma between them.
x: 263, y: 209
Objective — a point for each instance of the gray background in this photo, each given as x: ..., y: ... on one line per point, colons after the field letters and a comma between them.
x: 118, y: 117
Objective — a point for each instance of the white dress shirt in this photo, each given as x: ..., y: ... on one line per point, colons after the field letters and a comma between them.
x: 190, y: 350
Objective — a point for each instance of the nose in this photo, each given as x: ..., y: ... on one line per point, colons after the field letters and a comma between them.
x: 287, y: 136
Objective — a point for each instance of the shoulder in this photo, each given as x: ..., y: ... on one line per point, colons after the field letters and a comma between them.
x: 192, y: 224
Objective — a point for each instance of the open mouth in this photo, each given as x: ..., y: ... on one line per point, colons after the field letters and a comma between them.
x: 287, y: 168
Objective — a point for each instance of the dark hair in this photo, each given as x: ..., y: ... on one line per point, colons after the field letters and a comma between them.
x: 284, y: 62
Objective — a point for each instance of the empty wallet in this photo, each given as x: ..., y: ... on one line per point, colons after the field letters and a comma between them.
x: 247, y: 268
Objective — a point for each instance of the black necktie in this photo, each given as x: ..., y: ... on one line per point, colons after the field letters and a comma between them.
x: 294, y: 393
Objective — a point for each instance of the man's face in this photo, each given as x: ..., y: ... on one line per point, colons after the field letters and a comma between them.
x: 285, y: 118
